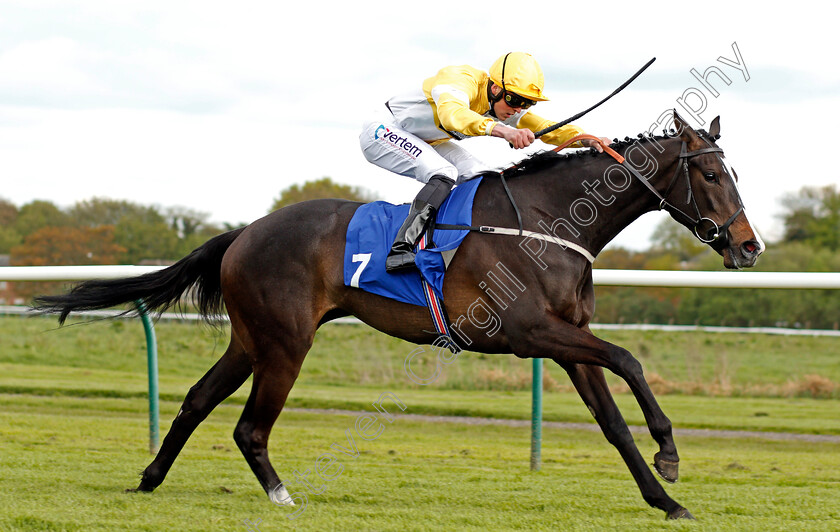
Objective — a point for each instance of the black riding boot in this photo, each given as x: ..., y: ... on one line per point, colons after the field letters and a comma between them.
x: 424, y: 206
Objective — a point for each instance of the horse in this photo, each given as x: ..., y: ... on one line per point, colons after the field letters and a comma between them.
x: 281, y: 277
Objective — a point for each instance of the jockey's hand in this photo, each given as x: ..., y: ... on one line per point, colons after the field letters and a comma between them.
x: 518, y: 138
x: 590, y: 143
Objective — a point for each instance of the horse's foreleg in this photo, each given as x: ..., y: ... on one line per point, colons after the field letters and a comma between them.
x: 593, y: 389
x: 666, y: 461
x: 567, y: 345
x: 224, y: 378
x: 574, y: 345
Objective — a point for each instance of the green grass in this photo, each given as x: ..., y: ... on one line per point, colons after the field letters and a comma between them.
x: 108, y: 359
x: 74, y: 432
x: 740, y: 360
x: 801, y: 415
x: 349, y: 367
x: 682, y: 363
x: 66, y: 462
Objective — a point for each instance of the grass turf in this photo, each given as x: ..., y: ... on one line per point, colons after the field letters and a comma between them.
x: 73, y: 433
x: 66, y: 462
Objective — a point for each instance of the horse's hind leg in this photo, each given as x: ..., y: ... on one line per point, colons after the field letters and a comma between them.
x: 593, y: 389
x: 224, y: 378
x: 273, y: 379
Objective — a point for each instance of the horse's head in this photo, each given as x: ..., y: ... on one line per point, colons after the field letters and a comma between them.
x: 713, y: 209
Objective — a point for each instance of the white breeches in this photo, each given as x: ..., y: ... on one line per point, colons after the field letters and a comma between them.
x: 392, y: 148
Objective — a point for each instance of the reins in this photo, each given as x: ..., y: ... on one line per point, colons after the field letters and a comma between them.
x: 549, y: 129
x: 715, y: 234
x: 532, y: 234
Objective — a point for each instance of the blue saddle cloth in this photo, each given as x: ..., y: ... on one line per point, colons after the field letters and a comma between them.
x: 372, y: 231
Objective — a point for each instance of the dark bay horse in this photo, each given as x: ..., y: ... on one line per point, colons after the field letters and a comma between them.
x: 281, y: 277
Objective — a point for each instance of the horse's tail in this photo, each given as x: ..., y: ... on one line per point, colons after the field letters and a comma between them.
x: 157, y: 290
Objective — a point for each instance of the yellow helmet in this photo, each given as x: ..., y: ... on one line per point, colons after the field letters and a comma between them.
x: 519, y: 73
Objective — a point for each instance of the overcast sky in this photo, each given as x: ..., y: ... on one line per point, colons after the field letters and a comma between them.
x: 217, y: 107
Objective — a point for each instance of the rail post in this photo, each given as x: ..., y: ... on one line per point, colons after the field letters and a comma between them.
x: 151, y: 361
x: 536, y: 413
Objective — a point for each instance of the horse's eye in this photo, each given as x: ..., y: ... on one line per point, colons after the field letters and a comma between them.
x: 711, y: 177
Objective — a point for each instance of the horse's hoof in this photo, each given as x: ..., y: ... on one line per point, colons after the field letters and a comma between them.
x: 140, y: 489
x: 280, y: 496
x: 669, y: 470
x: 680, y: 513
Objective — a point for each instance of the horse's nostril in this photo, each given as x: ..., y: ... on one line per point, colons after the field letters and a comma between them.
x: 750, y: 247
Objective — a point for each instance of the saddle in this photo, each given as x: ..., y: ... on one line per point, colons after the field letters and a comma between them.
x: 371, y: 233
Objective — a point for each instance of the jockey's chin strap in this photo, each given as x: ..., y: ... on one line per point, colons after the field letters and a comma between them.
x: 714, y: 235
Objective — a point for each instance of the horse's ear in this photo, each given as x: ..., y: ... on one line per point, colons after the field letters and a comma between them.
x: 714, y: 128
x: 683, y: 129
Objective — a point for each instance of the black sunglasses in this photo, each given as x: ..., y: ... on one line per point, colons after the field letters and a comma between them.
x: 515, y: 100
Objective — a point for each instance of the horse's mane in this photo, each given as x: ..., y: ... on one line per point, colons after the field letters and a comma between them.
x: 541, y: 160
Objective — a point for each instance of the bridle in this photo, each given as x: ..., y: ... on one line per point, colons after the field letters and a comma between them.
x: 715, y: 236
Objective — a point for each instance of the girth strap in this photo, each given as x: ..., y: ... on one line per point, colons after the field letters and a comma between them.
x: 487, y: 229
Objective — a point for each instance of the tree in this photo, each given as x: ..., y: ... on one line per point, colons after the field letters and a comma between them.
x: 69, y: 246
x: 37, y: 215
x: 141, y: 230
x: 187, y: 222
x: 8, y: 213
x: 320, y: 189
x: 104, y: 211
x: 144, y: 231
x: 672, y: 237
x: 192, y: 228
x: 64, y: 246
x: 9, y: 238
x: 813, y: 216
x: 146, y: 239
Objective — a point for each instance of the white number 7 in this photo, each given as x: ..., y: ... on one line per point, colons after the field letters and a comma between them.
x: 364, y: 258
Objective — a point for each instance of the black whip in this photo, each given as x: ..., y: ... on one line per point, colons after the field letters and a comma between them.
x: 549, y: 129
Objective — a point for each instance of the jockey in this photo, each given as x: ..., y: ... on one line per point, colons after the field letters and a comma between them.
x: 413, y: 139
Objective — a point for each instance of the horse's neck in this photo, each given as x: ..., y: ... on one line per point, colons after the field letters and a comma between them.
x: 592, y: 202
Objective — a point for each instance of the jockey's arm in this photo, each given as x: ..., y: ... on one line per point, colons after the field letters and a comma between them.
x: 521, y: 138
x: 518, y: 138
x: 454, y: 89
x: 455, y: 115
